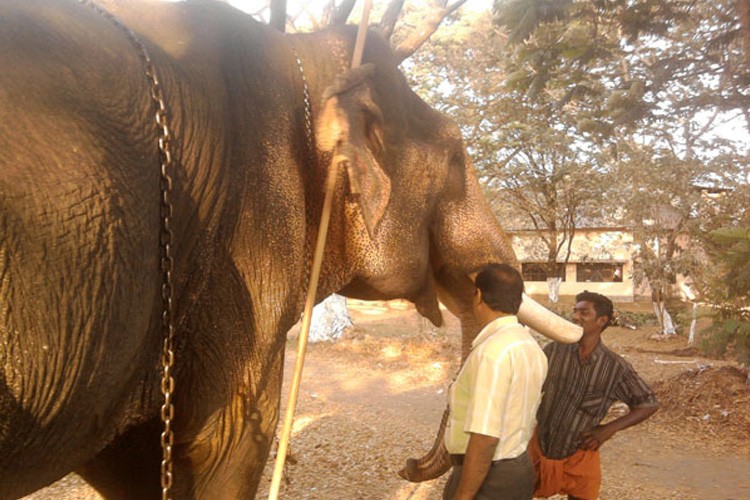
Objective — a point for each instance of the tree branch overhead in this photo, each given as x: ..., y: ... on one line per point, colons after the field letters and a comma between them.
x: 424, y: 31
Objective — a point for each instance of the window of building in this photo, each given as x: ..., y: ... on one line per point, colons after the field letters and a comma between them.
x: 537, y: 271
x: 599, y: 272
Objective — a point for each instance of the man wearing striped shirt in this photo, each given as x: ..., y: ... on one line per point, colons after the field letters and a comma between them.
x: 494, y: 400
x: 584, y: 380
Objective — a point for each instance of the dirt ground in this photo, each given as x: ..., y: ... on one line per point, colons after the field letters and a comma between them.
x: 373, y: 399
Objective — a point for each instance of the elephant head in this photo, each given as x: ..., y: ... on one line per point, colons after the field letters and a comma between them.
x: 423, y: 226
x: 414, y: 222
x: 79, y: 213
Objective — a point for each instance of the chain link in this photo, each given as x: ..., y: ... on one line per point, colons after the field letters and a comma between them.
x: 165, y: 239
x: 308, y: 107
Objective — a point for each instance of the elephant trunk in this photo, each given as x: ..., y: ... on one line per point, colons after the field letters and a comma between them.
x: 433, y: 464
x: 436, y: 462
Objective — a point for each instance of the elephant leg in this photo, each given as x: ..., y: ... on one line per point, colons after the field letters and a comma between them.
x: 228, y: 378
x: 222, y: 457
x: 224, y: 460
x: 129, y: 467
x: 227, y: 388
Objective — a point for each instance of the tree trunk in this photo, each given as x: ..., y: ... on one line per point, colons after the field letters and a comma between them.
x: 553, y: 286
x: 693, y: 321
x: 430, y: 22
x: 663, y: 317
x: 278, y: 15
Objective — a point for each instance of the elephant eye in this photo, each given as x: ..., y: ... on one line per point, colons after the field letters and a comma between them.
x: 456, y: 158
x: 454, y: 179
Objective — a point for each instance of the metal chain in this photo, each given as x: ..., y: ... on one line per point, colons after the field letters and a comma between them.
x: 308, y: 107
x: 165, y: 240
x: 309, y: 131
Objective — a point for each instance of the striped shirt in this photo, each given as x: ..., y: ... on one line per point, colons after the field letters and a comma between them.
x: 498, y: 389
x: 578, y: 394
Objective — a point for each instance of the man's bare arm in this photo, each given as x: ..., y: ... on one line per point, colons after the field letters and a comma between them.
x: 477, y: 463
x: 594, y: 438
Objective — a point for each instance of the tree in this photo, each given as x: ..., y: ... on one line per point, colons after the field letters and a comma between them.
x: 673, y: 201
x: 651, y: 83
x: 408, y: 39
x: 632, y: 52
x: 535, y: 167
x: 538, y: 173
x: 730, y: 292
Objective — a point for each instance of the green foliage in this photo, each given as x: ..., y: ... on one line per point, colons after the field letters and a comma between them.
x: 729, y: 291
x: 728, y: 337
x: 640, y: 318
x: 730, y: 286
x: 734, y: 252
x: 643, y: 319
x: 628, y: 65
x: 523, y: 17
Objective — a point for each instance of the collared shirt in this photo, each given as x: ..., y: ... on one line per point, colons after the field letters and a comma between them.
x: 578, y: 394
x: 498, y: 389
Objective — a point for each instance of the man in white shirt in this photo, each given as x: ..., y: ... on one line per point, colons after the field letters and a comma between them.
x: 494, y: 400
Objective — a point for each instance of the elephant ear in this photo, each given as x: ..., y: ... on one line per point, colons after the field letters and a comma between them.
x: 350, y: 127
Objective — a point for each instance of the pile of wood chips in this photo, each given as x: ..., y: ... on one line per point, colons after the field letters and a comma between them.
x: 713, y: 401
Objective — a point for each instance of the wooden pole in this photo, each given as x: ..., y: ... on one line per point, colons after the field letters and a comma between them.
x: 325, y: 218
x: 359, y: 45
x: 286, y: 429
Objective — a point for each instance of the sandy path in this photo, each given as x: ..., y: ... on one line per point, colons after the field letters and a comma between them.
x: 374, y: 399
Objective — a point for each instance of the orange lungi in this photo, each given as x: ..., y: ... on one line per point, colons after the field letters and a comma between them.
x: 579, y: 475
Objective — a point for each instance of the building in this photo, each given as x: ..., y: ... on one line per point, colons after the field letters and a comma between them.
x: 601, y: 260
x: 602, y: 253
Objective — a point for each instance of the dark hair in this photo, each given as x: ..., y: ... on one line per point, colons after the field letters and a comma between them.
x: 602, y: 305
x: 501, y: 287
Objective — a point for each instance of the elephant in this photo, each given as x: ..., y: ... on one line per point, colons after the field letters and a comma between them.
x: 256, y: 120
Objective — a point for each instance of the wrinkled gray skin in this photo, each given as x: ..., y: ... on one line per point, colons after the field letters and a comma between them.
x: 80, y: 300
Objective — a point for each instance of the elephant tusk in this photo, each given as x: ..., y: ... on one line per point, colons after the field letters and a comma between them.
x: 540, y: 319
